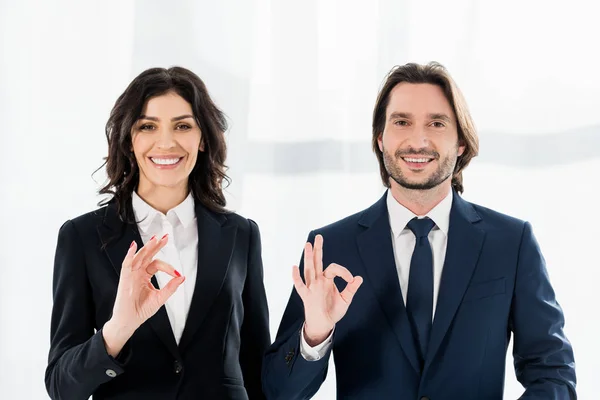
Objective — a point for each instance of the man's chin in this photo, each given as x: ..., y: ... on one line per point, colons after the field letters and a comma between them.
x: 416, y: 185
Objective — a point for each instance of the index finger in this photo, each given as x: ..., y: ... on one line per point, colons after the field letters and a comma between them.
x: 159, y: 265
x: 334, y: 270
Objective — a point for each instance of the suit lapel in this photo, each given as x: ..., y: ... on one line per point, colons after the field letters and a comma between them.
x: 376, y: 251
x: 465, y: 242
x: 117, y: 237
x: 215, y: 246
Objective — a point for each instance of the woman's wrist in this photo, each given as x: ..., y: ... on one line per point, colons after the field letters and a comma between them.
x: 115, y: 337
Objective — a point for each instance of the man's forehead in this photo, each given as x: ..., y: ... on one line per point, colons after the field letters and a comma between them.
x: 418, y: 99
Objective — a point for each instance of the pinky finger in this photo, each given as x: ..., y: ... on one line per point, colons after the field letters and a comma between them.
x: 128, y: 261
x: 298, y: 283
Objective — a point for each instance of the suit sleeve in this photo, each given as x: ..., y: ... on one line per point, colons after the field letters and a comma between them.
x: 255, y: 335
x: 286, y: 374
x: 78, y: 362
x: 543, y: 356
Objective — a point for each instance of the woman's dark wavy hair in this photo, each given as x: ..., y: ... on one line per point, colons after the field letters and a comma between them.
x: 206, y: 179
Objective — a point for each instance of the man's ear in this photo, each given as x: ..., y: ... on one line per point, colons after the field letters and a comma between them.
x: 461, y: 148
x: 380, y: 141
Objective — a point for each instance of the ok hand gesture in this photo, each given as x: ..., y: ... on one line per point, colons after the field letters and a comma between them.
x: 137, y: 299
x: 324, y: 305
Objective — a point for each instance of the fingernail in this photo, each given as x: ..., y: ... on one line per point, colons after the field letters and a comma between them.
x: 132, y: 243
x: 177, y: 273
x: 164, y: 236
x: 152, y: 238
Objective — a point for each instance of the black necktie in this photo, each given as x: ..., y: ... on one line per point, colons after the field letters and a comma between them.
x: 419, y: 299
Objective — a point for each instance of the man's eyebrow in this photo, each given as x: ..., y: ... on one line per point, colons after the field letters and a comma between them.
x: 441, y: 116
x: 397, y: 114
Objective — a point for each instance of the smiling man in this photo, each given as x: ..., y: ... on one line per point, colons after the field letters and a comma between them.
x: 434, y: 285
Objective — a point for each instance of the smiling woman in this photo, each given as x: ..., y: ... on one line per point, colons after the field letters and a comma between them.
x: 185, y: 316
x: 166, y: 142
x: 168, y: 110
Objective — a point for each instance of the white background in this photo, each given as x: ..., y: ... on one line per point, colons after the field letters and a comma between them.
x: 298, y: 81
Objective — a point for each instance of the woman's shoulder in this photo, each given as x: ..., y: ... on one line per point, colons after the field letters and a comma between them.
x: 241, y: 222
x: 91, y: 217
x: 87, y: 222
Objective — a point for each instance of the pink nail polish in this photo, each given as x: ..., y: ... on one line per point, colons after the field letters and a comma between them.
x: 132, y: 243
x: 164, y: 236
x: 152, y: 238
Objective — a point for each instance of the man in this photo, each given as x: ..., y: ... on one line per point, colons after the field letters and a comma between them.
x: 434, y: 286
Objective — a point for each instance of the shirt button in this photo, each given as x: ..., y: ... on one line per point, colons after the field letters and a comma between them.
x: 111, y: 373
x: 177, y: 367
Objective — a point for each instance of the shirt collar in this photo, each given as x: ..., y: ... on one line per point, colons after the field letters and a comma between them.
x: 145, y: 213
x: 400, y: 215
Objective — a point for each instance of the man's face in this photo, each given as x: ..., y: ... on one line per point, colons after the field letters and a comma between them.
x: 419, y: 142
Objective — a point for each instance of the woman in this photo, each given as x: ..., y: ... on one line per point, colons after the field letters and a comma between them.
x: 164, y: 238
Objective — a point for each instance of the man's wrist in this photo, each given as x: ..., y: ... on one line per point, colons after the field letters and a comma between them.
x: 315, y: 338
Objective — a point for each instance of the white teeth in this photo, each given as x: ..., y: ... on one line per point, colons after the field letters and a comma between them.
x: 417, y: 160
x: 165, y: 161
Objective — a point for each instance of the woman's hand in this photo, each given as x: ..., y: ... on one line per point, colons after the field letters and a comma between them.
x: 137, y: 299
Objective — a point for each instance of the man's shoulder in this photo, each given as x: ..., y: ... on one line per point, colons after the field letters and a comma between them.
x: 495, y: 219
x: 345, y: 224
x: 350, y: 225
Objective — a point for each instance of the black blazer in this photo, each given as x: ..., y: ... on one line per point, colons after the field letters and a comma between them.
x: 227, y: 331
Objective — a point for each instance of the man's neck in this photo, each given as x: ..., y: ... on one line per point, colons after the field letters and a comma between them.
x: 420, y: 202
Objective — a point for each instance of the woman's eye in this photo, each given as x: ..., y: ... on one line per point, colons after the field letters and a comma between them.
x: 438, y: 124
x: 401, y: 123
x: 146, y: 127
x: 183, y: 127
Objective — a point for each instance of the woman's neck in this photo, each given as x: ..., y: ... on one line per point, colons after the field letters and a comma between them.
x: 163, y: 198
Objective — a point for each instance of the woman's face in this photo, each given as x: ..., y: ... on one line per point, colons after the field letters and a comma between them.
x: 166, y: 141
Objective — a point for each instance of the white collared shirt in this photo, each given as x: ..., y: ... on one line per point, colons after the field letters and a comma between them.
x: 403, y: 243
x: 181, y: 251
x: 403, y: 240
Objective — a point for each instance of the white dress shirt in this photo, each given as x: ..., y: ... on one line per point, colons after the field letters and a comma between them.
x: 403, y: 243
x: 181, y: 251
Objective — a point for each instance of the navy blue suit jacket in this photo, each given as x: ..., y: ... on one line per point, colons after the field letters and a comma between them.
x: 494, y: 283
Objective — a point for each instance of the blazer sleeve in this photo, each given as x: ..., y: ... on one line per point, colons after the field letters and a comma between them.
x: 78, y: 362
x: 255, y: 335
x: 543, y: 356
x: 286, y: 374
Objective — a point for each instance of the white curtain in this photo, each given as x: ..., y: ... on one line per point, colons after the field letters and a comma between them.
x: 298, y: 81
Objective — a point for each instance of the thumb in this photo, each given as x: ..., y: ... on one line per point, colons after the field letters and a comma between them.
x: 166, y: 292
x: 351, y: 289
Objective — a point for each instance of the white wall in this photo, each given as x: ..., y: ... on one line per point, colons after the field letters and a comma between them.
x: 298, y: 81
